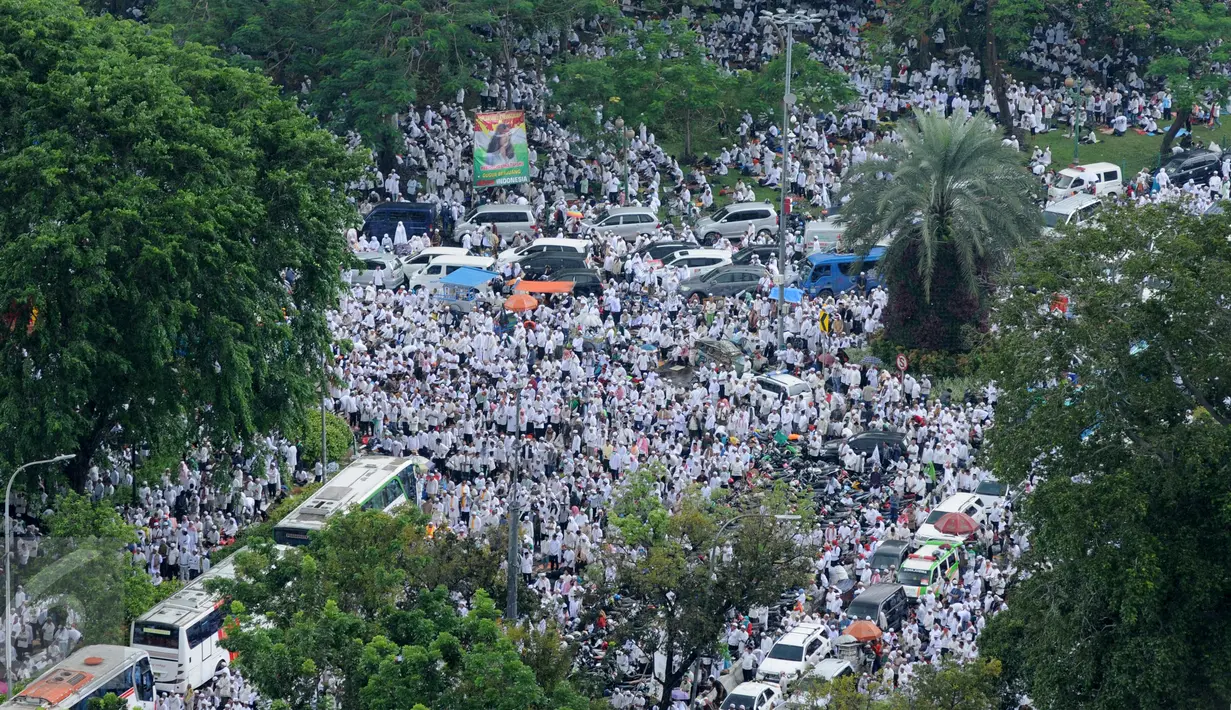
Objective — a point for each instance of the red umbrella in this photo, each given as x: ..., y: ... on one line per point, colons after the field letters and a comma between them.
x: 959, y: 524
x: 827, y: 358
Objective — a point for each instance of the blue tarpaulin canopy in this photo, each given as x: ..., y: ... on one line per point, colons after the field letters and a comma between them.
x: 793, y: 295
x: 469, y: 277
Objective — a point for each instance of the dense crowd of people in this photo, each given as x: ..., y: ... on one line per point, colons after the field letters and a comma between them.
x: 560, y: 405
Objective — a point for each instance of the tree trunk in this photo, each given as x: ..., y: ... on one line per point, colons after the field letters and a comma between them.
x: 995, y: 74
x: 78, y: 468
x: 1181, y: 118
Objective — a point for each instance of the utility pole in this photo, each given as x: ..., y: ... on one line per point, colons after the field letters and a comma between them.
x: 787, y: 101
x: 510, y: 610
x: 787, y: 21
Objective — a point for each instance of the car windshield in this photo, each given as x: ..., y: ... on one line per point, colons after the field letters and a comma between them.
x: 373, y: 264
x: 721, y: 214
x: 912, y: 577
x: 470, y: 216
x: 1064, y: 181
x: 991, y: 488
x: 786, y: 652
x: 1051, y: 219
x: 602, y: 216
x: 936, y: 515
x: 734, y: 701
x: 883, y: 560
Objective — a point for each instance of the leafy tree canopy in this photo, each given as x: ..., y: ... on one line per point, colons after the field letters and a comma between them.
x: 356, y: 609
x: 1122, y: 405
x: 151, y: 197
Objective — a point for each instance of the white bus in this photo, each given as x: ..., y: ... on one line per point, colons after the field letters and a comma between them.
x: 371, y: 482
x: 183, y: 634
x: 90, y: 672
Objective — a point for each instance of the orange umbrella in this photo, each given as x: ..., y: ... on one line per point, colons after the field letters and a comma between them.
x: 520, y: 302
x: 863, y: 630
x: 574, y: 214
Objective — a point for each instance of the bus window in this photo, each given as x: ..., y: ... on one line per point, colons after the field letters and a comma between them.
x: 205, y: 628
x: 155, y: 635
x: 291, y: 537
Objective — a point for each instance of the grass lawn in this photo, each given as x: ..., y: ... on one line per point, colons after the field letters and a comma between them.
x: 1131, y: 152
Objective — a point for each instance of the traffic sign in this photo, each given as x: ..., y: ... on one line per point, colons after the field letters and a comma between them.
x: 902, y: 362
x: 826, y: 321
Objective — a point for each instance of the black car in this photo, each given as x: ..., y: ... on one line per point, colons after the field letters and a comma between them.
x: 416, y: 217
x: 865, y: 443
x: 586, y: 282
x: 724, y: 281
x: 1196, y: 165
x: 542, y: 266
x: 890, y: 553
x: 660, y: 250
x: 767, y: 253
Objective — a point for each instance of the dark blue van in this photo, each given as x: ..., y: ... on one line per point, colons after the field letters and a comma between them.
x: 827, y: 273
x: 417, y: 217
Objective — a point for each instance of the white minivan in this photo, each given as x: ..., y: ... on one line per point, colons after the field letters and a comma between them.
x: 1092, y: 179
x: 503, y: 219
x: 443, y: 265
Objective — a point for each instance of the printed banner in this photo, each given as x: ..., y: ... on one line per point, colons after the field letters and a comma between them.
x: 501, y: 156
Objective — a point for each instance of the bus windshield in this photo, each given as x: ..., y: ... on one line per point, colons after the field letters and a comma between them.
x: 156, y: 635
x: 291, y: 536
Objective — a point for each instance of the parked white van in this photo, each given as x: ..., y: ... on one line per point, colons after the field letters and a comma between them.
x: 441, y: 266
x: 504, y: 219
x: 1078, y: 209
x: 1103, y: 178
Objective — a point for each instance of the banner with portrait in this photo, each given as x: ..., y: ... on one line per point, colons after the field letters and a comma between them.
x: 501, y: 156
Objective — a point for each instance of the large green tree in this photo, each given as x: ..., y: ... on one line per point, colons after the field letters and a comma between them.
x: 957, y: 204
x: 363, y: 62
x: 685, y: 590
x: 1123, y: 406
x: 1193, y: 52
x: 663, y: 80
x: 365, y: 608
x: 151, y: 198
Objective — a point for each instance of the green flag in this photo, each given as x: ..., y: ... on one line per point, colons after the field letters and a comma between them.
x: 931, y: 471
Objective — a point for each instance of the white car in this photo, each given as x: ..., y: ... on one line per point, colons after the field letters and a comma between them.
x: 697, y: 262
x: 968, y: 503
x: 418, y: 262
x: 794, y: 654
x: 787, y: 386
x: 753, y: 696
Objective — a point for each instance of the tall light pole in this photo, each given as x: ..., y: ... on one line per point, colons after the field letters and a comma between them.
x: 324, y: 394
x: 626, y: 134
x: 787, y: 22
x: 8, y: 568
x: 1078, y: 87
x: 510, y: 607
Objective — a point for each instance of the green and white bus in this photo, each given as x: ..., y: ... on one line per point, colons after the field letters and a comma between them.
x: 371, y: 483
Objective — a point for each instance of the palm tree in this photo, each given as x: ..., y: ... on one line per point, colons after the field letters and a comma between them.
x: 952, y: 202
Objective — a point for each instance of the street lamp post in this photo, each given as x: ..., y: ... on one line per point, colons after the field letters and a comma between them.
x: 788, y: 21
x: 1078, y: 87
x: 626, y: 134
x: 8, y: 569
x: 510, y: 611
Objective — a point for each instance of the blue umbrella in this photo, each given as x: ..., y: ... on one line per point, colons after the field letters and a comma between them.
x: 793, y: 295
x: 872, y: 360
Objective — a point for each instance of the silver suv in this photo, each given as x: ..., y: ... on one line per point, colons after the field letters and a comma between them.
x: 732, y: 222
x: 627, y: 222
